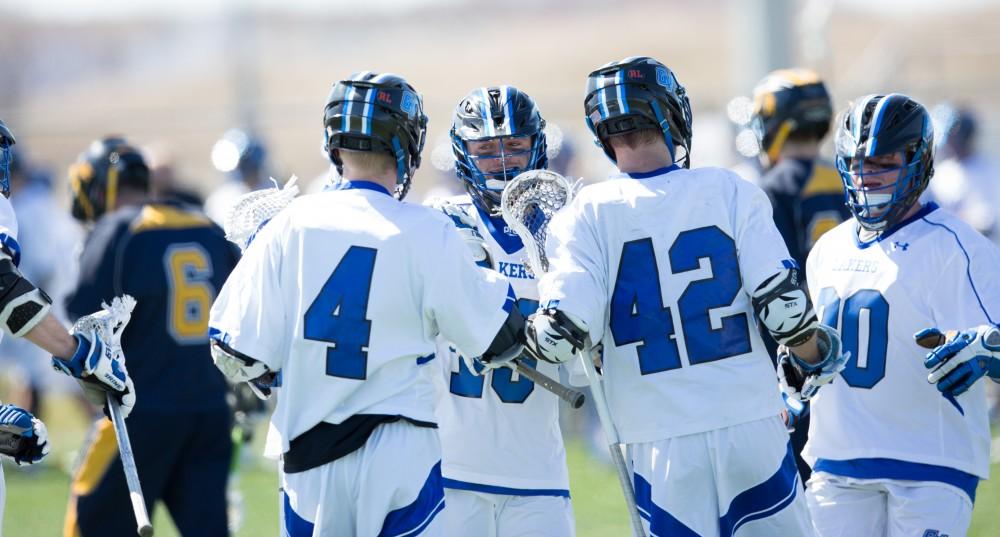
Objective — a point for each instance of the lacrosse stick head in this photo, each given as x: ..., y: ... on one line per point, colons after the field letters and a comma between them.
x: 253, y: 209
x: 528, y: 203
x: 110, y: 322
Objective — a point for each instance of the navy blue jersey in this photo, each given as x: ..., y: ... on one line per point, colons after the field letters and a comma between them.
x: 173, y: 260
x: 808, y: 200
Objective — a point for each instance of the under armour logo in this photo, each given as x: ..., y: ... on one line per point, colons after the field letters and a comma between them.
x: 934, y: 533
x: 900, y: 245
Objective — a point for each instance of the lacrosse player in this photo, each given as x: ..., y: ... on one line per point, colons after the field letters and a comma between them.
x: 666, y: 266
x: 173, y: 259
x: 497, y: 133
x: 891, y: 453
x: 341, y: 296
x: 24, y: 312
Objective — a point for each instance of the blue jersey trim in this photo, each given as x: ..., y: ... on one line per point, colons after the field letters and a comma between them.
x: 903, y: 470
x: 660, y: 521
x: 764, y: 499
x: 654, y: 173
x: 414, y: 518
x: 295, y: 525
x: 927, y: 209
x: 510, y: 242
x: 362, y: 185
x: 10, y: 244
x: 424, y: 359
x: 968, y: 267
x: 491, y: 489
x: 511, y: 299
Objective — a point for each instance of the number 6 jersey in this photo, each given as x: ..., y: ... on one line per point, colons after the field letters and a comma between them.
x: 344, y: 292
x: 660, y: 266
x: 931, y: 270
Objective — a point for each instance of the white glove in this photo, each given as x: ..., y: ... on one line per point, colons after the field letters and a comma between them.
x: 241, y: 368
x: 98, y: 362
x: 960, y: 358
x: 555, y: 336
x: 466, y: 227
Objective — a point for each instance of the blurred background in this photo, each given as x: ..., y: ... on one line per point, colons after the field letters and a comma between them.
x: 175, y: 76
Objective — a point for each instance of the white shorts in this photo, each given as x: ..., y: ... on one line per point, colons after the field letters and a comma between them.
x: 846, y: 506
x: 390, y: 487
x: 482, y: 514
x: 737, y: 481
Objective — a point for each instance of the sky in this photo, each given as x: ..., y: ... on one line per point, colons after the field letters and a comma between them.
x: 81, y: 11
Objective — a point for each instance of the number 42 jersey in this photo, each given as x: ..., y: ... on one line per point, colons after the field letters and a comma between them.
x: 932, y: 270
x: 660, y: 266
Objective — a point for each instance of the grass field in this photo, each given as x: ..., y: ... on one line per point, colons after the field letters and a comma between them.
x: 36, y: 501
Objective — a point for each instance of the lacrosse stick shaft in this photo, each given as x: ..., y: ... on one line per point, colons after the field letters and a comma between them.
x: 614, y: 445
x: 574, y: 397
x: 143, y: 526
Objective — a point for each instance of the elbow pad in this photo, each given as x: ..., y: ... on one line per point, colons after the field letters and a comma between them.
x: 783, y: 305
x: 22, y: 305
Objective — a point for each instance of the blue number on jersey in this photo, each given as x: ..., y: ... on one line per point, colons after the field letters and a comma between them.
x: 704, y: 343
x: 466, y: 384
x: 337, y: 315
x: 637, y: 311
x: 638, y: 314
x: 878, y: 333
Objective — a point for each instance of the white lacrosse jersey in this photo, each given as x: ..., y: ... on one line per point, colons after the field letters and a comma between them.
x: 933, y: 270
x: 661, y: 266
x: 344, y: 292
x: 8, y: 233
x: 499, y: 432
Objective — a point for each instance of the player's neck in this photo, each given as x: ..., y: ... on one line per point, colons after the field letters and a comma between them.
x: 130, y: 197
x: 642, y: 159
x: 385, y: 179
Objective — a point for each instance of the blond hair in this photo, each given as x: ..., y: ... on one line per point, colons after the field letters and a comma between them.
x: 637, y: 138
x: 368, y: 163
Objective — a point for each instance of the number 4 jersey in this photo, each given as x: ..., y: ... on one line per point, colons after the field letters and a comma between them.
x: 931, y: 270
x: 660, y: 266
x: 344, y: 292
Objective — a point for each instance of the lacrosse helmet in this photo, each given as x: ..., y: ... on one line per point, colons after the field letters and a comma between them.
x: 501, y: 113
x: 7, y: 142
x: 638, y: 93
x: 376, y: 112
x: 884, y: 125
x: 789, y: 103
x: 108, y: 165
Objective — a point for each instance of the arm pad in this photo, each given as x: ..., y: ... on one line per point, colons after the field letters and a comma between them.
x: 783, y: 305
x: 22, y: 305
x: 235, y: 365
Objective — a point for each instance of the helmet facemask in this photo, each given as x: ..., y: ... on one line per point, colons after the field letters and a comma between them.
x: 881, y: 184
x: 486, y: 165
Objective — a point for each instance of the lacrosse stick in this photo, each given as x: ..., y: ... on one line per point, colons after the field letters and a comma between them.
x: 528, y: 204
x: 574, y: 397
x: 109, y: 325
x: 254, y: 209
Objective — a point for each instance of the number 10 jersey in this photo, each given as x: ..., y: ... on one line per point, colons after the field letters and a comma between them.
x: 931, y: 270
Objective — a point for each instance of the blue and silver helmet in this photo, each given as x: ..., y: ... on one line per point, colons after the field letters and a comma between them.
x: 638, y: 93
x: 882, y: 126
x: 505, y: 116
x: 6, y: 158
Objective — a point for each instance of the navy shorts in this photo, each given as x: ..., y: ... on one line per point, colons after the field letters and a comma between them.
x: 183, y: 461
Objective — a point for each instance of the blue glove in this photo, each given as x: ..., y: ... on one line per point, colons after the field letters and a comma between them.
x: 794, y: 411
x: 100, y: 368
x: 22, y: 436
x: 959, y: 359
x: 800, y: 379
